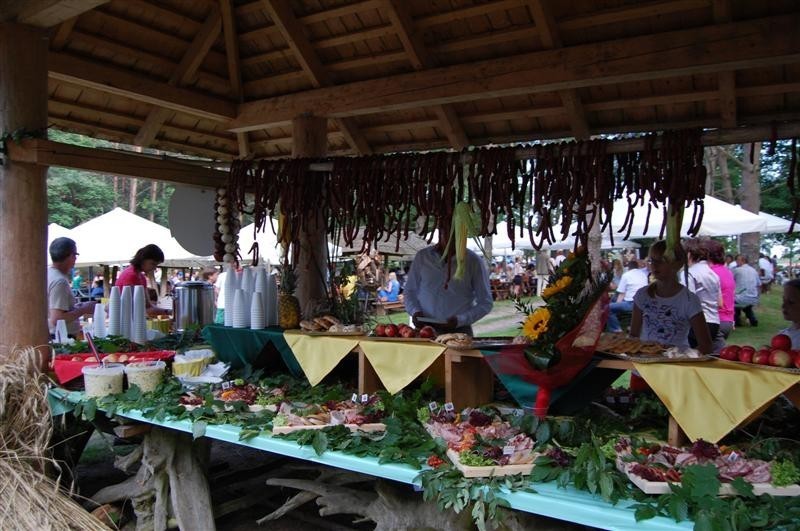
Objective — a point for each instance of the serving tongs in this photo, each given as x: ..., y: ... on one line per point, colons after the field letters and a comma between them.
x: 88, y: 337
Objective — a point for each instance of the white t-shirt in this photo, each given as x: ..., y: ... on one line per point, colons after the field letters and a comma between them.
x: 220, y: 285
x: 631, y: 282
x: 704, y: 283
x: 769, y: 271
x: 59, y: 297
x: 666, y: 319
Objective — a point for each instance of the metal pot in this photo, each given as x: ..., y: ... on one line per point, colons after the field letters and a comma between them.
x: 193, y: 304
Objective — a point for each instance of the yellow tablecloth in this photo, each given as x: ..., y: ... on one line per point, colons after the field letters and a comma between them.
x: 709, y: 399
x: 319, y: 355
x: 397, y: 363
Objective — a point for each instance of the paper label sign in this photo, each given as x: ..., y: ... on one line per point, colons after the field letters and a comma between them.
x: 508, y: 450
x: 433, y: 406
x: 226, y: 385
x: 364, y: 398
x: 448, y: 406
x: 354, y: 398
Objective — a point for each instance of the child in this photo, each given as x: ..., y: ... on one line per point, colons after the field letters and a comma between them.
x: 791, y: 310
x: 665, y: 310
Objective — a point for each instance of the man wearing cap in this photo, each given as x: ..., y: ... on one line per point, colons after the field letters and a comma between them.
x: 60, y: 301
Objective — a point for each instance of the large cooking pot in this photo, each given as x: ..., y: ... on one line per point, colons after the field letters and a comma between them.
x: 193, y: 304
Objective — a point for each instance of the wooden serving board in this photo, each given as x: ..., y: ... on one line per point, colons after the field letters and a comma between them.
x: 662, y: 487
x: 791, y: 370
x: 399, y: 339
x: 657, y: 359
x: 488, y: 471
x: 374, y: 427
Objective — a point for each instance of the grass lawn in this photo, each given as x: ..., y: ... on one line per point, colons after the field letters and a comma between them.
x: 770, y: 321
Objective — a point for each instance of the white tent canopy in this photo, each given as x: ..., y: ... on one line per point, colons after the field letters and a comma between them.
x: 54, y: 230
x: 114, y: 237
x: 268, y: 248
x: 776, y: 224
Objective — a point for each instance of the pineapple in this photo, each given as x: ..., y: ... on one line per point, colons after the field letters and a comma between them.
x: 288, y: 305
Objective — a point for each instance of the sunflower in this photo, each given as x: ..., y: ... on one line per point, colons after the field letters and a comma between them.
x: 556, y: 286
x: 536, y: 323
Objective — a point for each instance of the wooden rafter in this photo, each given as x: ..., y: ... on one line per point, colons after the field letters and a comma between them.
x: 758, y: 42
x: 59, y: 38
x: 551, y: 39
x: 727, y: 80
x: 295, y: 36
x: 234, y: 65
x: 44, y: 13
x: 420, y: 59
x: 182, y: 75
x: 121, y: 82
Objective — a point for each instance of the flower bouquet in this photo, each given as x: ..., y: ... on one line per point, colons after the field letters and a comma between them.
x: 559, y: 337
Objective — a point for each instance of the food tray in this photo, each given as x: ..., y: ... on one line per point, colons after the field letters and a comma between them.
x: 662, y: 487
x: 374, y: 427
x: 401, y: 339
x: 321, y: 333
x: 790, y: 370
x: 658, y: 359
x: 488, y: 471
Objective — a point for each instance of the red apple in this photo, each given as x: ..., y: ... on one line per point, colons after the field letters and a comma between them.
x: 748, y: 349
x: 408, y: 332
x: 391, y: 330
x: 746, y: 355
x: 380, y: 330
x: 730, y: 353
x: 761, y: 357
x: 427, y: 332
x: 781, y: 342
x: 780, y: 358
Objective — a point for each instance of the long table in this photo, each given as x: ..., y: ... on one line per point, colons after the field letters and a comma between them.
x: 564, y: 504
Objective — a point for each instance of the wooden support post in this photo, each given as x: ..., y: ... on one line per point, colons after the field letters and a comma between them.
x: 106, y: 281
x: 310, y: 135
x: 23, y: 189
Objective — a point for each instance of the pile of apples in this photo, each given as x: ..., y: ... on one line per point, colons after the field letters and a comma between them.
x: 403, y: 330
x: 778, y: 353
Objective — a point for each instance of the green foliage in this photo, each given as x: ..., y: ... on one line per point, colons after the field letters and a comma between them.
x: 76, y: 196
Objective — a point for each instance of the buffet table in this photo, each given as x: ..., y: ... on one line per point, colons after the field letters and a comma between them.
x: 565, y: 504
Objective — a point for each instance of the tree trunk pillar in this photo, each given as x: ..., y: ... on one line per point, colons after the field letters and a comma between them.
x: 310, y: 137
x: 750, y: 243
x: 23, y: 189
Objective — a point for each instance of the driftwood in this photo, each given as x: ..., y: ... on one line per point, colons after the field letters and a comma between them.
x: 389, y: 505
x: 170, y: 484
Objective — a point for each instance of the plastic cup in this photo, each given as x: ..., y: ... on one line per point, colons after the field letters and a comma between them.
x: 101, y: 381
x: 146, y: 374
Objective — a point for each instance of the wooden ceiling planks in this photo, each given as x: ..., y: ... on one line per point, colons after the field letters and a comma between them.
x: 356, y: 41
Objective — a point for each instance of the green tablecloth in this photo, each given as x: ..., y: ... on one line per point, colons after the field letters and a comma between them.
x: 241, y: 346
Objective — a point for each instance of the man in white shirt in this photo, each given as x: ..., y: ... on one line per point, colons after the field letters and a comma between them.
x: 60, y: 301
x: 432, y: 291
x: 746, y: 296
x: 631, y: 281
x: 766, y: 272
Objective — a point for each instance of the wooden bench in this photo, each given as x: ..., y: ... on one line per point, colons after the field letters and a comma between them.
x: 383, y: 308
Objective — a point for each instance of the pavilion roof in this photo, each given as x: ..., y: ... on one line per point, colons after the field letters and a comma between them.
x: 223, y: 78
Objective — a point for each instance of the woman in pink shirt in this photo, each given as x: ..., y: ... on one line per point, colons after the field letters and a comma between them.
x: 144, y: 262
x: 727, y: 288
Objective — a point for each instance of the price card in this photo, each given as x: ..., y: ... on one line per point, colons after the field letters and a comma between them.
x: 354, y: 398
x: 226, y: 385
x: 624, y: 400
x: 448, y: 406
x: 433, y: 406
x: 364, y: 398
x: 508, y: 450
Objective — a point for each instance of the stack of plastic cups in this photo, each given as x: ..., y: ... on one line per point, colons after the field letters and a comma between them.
x: 257, y: 312
x: 230, y: 291
x: 139, y: 319
x: 260, y: 290
x: 239, y: 310
x: 125, y: 310
x: 113, y: 312
x: 247, y: 288
x: 99, y: 320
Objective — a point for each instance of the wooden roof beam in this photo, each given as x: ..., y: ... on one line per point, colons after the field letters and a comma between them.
x: 121, y: 82
x: 231, y: 37
x: 44, y: 13
x: 59, y: 38
x: 182, y: 75
x: 551, y: 38
x: 280, y: 11
x: 421, y: 59
x: 717, y: 48
x: 722, y: 10
x: 51, y: 153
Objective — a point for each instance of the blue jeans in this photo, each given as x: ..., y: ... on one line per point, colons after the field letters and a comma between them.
x: 615, y: 307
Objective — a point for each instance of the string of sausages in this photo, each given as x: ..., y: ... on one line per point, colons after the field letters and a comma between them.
x: 572, y: 185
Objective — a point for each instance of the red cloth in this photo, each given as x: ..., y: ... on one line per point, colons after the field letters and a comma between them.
x: 576, y: 348
x: 131, y: 277
x: 67, y: 370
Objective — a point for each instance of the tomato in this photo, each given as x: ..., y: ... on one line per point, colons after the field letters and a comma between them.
x: 435, y: 461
